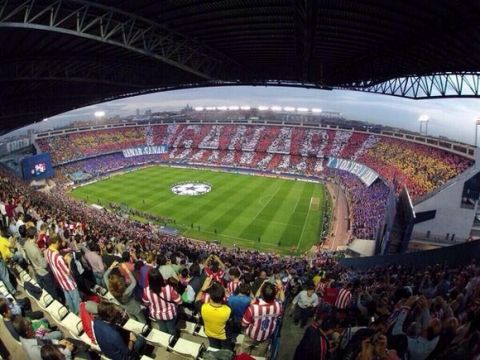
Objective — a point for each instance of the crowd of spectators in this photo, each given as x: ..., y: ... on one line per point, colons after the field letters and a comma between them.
x: 367, y: 204
x: 101, y: 165
x: 420, y: 167
x: 391, y: 313
x: 282, y: 142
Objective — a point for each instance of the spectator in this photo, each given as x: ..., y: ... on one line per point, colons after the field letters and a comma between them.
x: 260, y: 320
x: 117, y: 285
x: 36, y: 258
x: 344, y: 297
x: 95, y: 261
x: 420, y: 342
x: 196, y: 278
x: 214, y: 268
x: 109, y: 336
x: 215, y: 315
x: 304, y: 305
x: 239, y: 301
x: 162, y: 301
x: 54, y: 352
x: 108, y: 257
x: 31, y: 345
x: 63, y: 274
x: 165, y: 269
x: 315, y: 340
x: 234, y: 282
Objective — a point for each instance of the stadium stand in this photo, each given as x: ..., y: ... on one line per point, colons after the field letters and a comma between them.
x: 298, y: 151
x: 393, y: 312
x: 420, y: 167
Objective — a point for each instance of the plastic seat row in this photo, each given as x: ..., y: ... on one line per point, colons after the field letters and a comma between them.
x: 164, y: 340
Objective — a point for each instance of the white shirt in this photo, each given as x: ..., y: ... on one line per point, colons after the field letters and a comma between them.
x: 303, y: 300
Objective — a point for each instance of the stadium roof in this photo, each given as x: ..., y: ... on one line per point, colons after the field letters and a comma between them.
x: 59, y: 55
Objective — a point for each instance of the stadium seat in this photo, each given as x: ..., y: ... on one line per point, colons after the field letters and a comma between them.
x: 158, y: 338
x: 105, y: 294
x: 57, y: 311
x: 190, y: 328
x: 21, y: 275
x: 198, y: 330
x: 45, y: 300
x: 145, y: 357
x: 26, y: 277
x: 135, y: 327
x: 3, y: 289
x: 73, y: 324
x: 187, y: 348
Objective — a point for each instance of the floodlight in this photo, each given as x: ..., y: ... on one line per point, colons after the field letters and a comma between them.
x: 99, y: 114
x: 233, y: 107
x: 316, y: 110
x: 221, y: 108
x: 245, y: 107
x: 302, y: 109
x: 210, y: 108
x: 288, y: 108
x: 423, y: 118
x: 263, y: 108
x: 276, y: 108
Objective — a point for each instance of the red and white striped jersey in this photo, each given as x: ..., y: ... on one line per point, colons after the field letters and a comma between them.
x: 60, y: 270
x: 343, y: 299
x: 163, y: 307
x: 321, y: 288
x: 260, y: 319
x: 215, y: 276
x: 232, y: 286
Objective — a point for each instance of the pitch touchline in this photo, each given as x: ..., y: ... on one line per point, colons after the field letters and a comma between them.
x: 305, y: 223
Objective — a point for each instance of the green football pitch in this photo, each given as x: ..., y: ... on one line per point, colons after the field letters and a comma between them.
x: 248, y: 211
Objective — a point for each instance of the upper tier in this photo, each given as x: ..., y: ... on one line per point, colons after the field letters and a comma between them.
x: 420, y: 167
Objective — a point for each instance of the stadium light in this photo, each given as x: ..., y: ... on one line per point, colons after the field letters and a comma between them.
x: 423, y: 119
x: 477, y: 124
x: 222, y: 108
x: 245, y: 107
x: 99, y: 114
x: 233, y: 107
x: 263, y: 108
x: 210, y: 108
x: 199, y: 108
x: 302, y: 109
x: 46, y: 119
x: 276, y: 108
x: 316, y: 110
x: 288, y: 108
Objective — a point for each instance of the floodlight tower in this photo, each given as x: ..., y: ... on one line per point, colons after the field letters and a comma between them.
x: 477, y: 124
x: 423, y: 119
x: 99, y: 115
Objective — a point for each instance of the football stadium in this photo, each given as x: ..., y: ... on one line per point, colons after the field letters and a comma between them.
x: 250, y: 180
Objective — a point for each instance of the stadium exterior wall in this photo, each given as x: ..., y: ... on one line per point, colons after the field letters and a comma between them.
x: 450, y: 217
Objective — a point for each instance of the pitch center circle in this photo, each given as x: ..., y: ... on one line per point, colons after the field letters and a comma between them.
x: 191, y: 188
